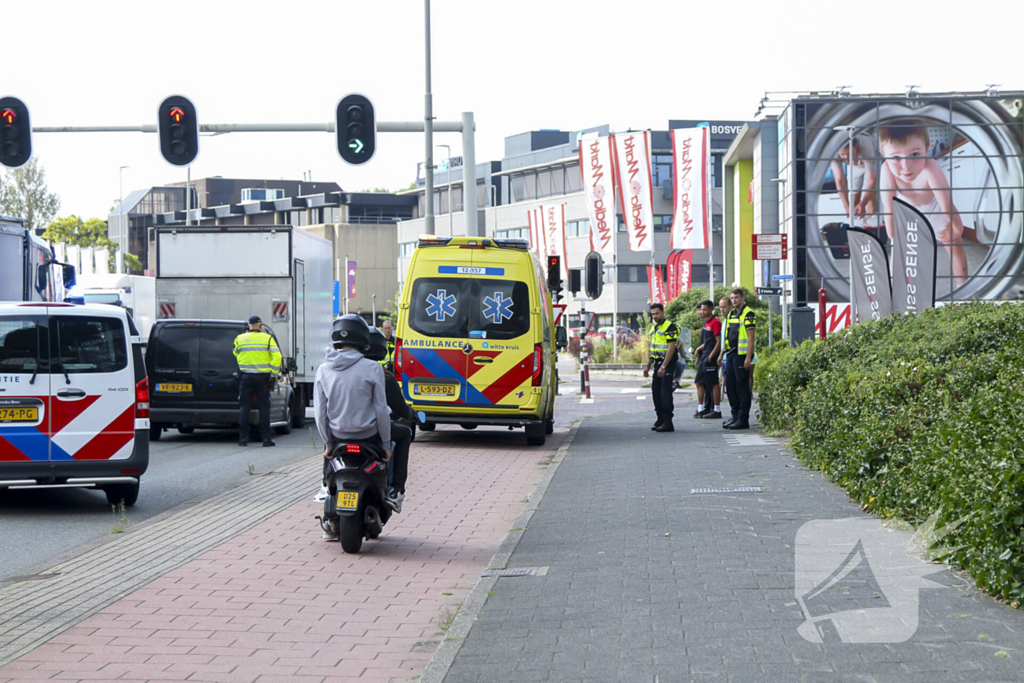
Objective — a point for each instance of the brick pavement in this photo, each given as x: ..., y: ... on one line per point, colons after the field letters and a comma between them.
x: 278, y: 603
x: 647, y: 582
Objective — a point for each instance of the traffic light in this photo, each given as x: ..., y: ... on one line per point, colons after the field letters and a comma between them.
x: 575, y: 281
x: 179, y: 130
x: 15, y: 133
x: 555, y: 273
x: 594, y: 273
x: 355, y: 129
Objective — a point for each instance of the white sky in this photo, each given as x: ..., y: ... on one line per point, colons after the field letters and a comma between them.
x: 518, y: 66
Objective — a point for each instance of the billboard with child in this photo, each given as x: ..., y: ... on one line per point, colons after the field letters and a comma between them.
x: 947, y: 169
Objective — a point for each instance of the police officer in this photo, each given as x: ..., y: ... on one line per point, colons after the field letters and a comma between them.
x: 259, y: 362
x: 739, y: 342
x: 664, y: 338
x: 389, y: 339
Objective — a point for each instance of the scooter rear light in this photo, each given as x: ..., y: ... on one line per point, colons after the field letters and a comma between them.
x: 142, y: 398
x: 352, y: 448
x: 538, y: 366
x: 398, y: 359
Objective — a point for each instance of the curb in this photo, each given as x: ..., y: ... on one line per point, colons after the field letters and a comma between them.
x: 439, y: 665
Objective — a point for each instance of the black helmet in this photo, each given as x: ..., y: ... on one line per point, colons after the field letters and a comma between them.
x: 350, y: 329
x: 377, y: 349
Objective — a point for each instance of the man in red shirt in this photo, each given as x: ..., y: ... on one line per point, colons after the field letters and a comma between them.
x: 708, y: 352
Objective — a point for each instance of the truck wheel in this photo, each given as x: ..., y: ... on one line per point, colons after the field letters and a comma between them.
x: 287, y: 427
x: 549, y: 426
x: 299, y: 408
x: 186, y: 430
x: 535, y: 435
x: 129, y: 493
x: 155, y: 432
x: 350, y: 531
x: 428, y: 426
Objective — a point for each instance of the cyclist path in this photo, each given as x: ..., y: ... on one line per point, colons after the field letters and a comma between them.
x: 654, y: 558
x: 242, y: 588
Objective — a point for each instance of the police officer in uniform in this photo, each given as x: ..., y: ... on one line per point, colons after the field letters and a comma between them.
x: 389, y: 339
x: 259, y: 362
x: 739, y: 344
x: 664, y: 338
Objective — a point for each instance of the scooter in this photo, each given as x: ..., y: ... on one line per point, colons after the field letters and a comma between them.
x: 357, y: 490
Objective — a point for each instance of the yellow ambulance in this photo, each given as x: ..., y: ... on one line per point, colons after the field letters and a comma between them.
x: 476, y: 336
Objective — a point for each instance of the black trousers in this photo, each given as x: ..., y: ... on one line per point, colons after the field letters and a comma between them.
x: 737, y: 385
x: 661, y: 390
x: 399, y: 466
x: 258, y: 384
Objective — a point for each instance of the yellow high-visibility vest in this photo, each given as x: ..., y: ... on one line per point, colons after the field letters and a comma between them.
x: 257, y: 352
x: 661, y: 336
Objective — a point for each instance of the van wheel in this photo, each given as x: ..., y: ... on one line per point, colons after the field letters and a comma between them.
x: 428, y: 426
x: 350, y: 531
x: 155, y: 432
x: 299, y: 408
x: 186, y: 430
x: 287, y: 427
x: 535, y: 435
x: 129, y: 493
x: 549, y: 425
x: 468, y: 426
x: 412, y: 428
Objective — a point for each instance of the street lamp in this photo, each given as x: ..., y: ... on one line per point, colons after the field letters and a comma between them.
x: 121, y: 232
x: 448, y: 157
x: 849, y: 196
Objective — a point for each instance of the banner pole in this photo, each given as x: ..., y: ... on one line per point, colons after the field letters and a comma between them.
x: 709, y: 188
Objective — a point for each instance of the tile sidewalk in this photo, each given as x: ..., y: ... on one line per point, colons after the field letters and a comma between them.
x: 278, y: 603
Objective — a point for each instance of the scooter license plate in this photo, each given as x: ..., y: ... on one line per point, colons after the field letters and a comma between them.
x: 348, y: 500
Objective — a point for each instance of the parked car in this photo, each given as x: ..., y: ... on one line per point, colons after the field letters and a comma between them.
x: 623, y: 333
x: 194, y: 378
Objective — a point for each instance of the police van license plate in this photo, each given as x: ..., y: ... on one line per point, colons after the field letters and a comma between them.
x: 348, y: 500
x: 435, y: 389
x: 174, y: 388
x: 19, y: 414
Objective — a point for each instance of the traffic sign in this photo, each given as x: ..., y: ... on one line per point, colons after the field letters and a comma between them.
x: 768, y: 291
x: 783, y: 277
x: 770, y: 246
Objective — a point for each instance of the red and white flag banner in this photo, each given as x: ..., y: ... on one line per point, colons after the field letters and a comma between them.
x: 684, y: 268
x: 633, y: 175
x: 690, y: 165
x: 538, y: 234
x: 670, y: 276
x: 554, y: 234
x: 655, y: 285
x: 599, y: 189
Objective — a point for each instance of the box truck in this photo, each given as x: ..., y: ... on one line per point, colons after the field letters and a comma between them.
x: 29, y: 271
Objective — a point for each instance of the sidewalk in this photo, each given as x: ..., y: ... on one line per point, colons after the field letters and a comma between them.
x: 638, y: 578
x: 269, y: 600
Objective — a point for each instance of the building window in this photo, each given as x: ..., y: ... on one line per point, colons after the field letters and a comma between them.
x: 608, y: 275
x: 633, y: 274
x: 405, y: 249
x: 580, y: 228
x: 661, y: 169
x: 573, y: 180
x: 512, y: 233
x: 663, y: 223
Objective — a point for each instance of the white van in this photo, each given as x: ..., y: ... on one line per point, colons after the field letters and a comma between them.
x: 74, y: 399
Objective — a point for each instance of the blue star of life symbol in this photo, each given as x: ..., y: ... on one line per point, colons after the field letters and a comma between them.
x: 441, y: 305
x: 497, y: 308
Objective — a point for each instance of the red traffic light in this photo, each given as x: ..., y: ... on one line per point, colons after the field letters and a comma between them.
x: 177, y: 114
x: 8, y: 115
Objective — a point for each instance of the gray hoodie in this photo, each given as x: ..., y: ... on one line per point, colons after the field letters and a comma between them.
x: 349, y: 399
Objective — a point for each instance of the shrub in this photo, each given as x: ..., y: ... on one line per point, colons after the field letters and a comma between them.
x: 914, y: 414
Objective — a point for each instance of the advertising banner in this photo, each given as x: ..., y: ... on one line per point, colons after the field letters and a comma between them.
x: 655, y: 285
x: 943, y: 170
x: 538, y: 241
x: 690, y: 164
x: 670, y: 276
x: 599, y: 189
x: 554, y: 234
x: 351, y: 265
x: 633, y: 177
x: 684, y: 267
x: 871, y: 289
x: 913, y: 260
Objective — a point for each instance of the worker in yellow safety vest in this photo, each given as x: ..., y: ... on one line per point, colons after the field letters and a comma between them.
x: 739, y: 345
x: 259, y: 364
x: 664, y: 338
x: 389, y: 339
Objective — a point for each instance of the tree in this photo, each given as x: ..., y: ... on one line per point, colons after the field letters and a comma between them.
x: 24, y: 194
x: 91, y: 233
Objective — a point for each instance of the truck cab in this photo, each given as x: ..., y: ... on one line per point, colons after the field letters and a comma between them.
x: 28, y: 269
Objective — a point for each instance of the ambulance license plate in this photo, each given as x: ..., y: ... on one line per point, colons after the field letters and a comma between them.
x: 435, y: 389
x: 348, y: 500
x: 19, y: 414
x: 174, y: 388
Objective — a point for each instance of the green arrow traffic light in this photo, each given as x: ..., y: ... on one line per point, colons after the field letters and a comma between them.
x: 356, y: 145
x: 355, y: 129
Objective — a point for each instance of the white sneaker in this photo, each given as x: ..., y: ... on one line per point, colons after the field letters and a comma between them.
x: 322, y: 496
x: 330, y: 534
x: 394, y: 501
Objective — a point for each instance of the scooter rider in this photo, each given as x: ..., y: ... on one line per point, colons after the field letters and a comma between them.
x: 349, y: 396
x: 401, y: 434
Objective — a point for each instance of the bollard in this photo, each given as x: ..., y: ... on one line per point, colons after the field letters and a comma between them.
x: 822, y: 298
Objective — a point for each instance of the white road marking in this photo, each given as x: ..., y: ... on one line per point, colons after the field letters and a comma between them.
x: 586, y: 400
x: 629, y: 391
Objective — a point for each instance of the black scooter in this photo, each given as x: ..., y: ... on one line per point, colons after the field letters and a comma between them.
x: 357, y: 489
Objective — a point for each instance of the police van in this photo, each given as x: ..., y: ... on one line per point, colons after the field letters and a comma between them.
x: 476, y: 339
x: 74, y: 399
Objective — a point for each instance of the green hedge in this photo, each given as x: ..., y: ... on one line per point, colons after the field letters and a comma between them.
x: 916, y: 414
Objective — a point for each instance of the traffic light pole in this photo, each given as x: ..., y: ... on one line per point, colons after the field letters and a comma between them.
x: 584, y: 358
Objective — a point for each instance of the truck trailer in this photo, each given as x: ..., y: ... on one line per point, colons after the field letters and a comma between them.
x: 280, y: 273
x: 29, y: 271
